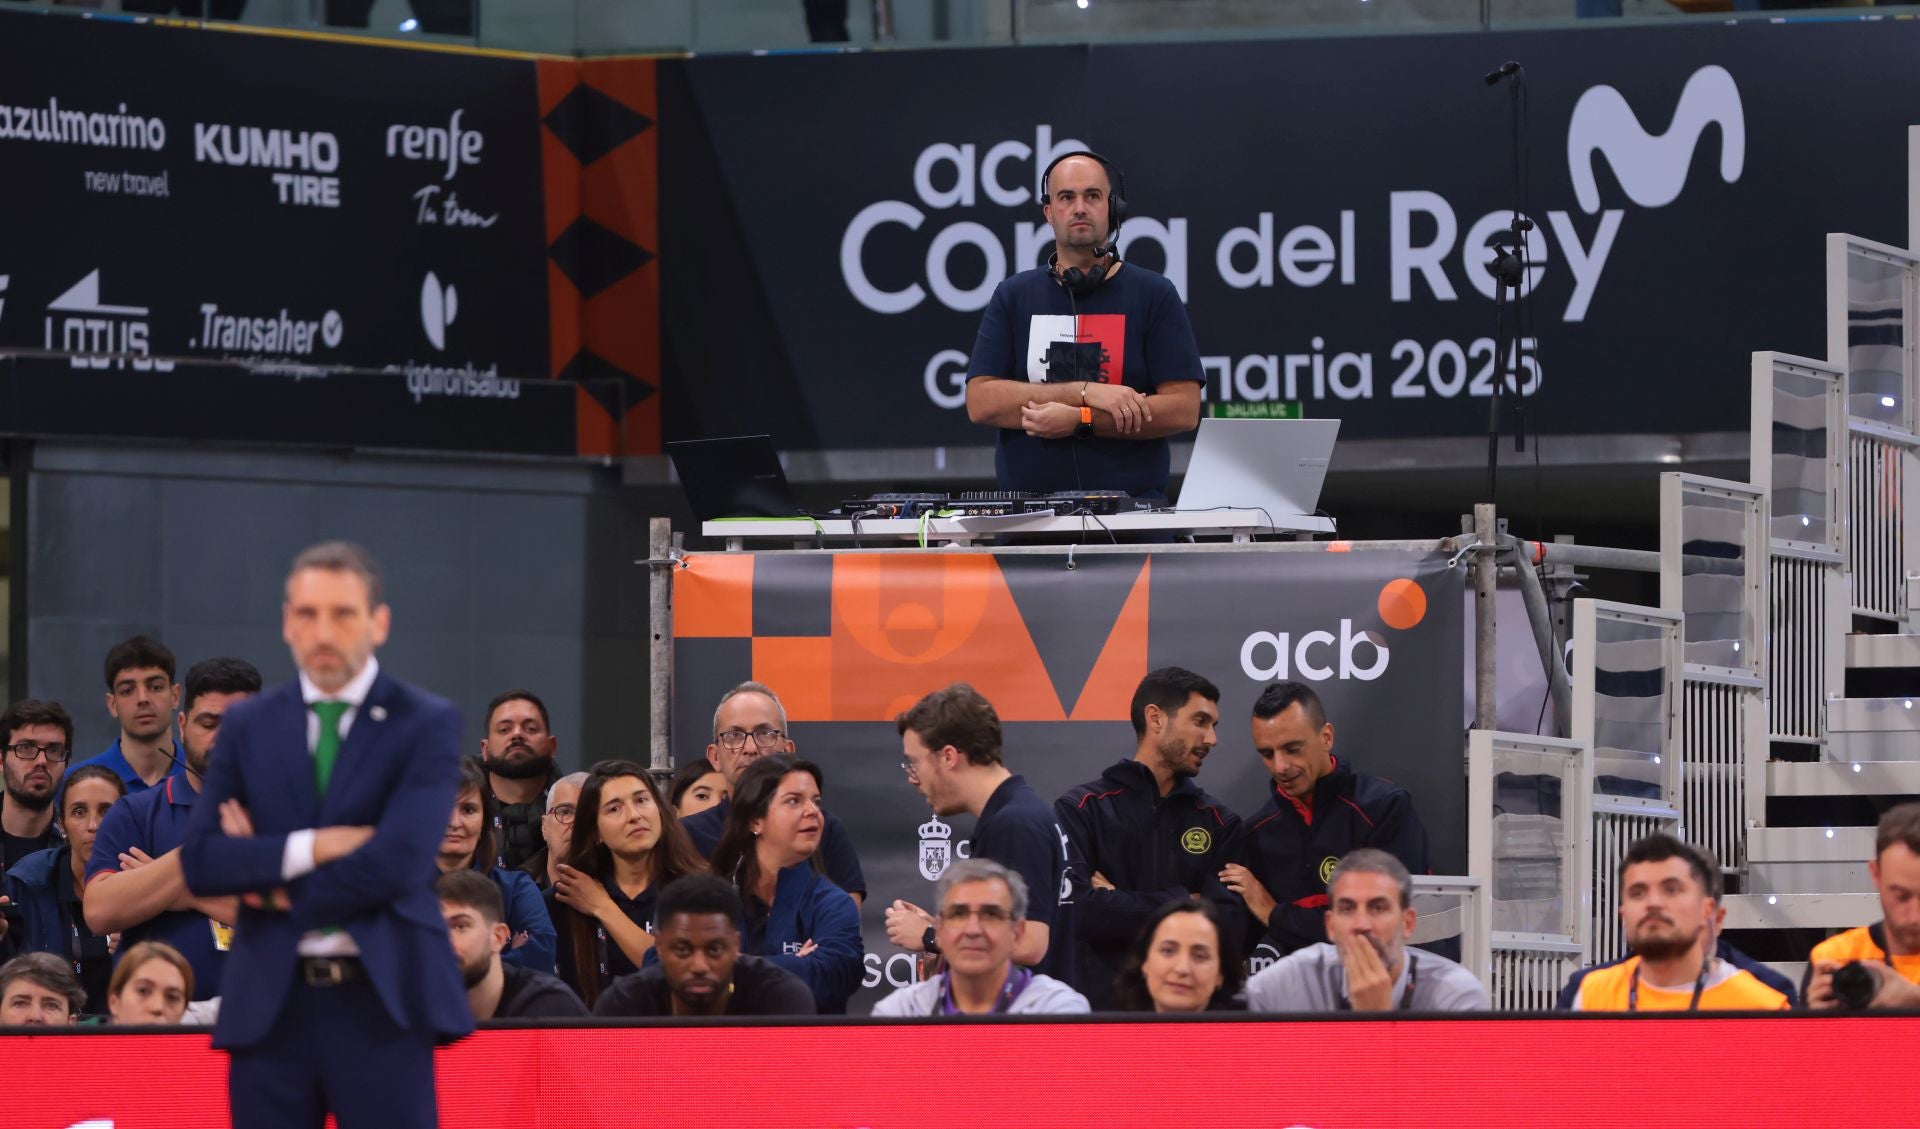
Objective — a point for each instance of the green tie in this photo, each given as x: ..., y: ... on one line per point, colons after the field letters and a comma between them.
x: 327, y: 749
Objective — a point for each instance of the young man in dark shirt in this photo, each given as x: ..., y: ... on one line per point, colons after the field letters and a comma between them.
x: 1085, y: 365
x: 1144, y: 834
x: 701, y: 971
x: 36, y: 741
x: 476, y: 922
x: 951, y: 741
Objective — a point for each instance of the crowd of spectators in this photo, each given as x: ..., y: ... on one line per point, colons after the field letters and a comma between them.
x: 730, y: 889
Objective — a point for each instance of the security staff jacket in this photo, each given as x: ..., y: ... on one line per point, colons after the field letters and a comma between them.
x: 1293, y: 847
x: 1153, y: 848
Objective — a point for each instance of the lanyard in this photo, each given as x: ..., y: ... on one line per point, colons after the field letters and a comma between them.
x: 1406, y: 1000
x: 1699, y: 986
x: 1016, y: 983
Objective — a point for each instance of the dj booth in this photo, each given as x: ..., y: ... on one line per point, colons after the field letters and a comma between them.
x: 1333, y: 1073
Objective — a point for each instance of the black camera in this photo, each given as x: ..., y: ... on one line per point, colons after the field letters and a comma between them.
x: 1855, y: 983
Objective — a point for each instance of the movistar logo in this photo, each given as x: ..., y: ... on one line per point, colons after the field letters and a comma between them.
x: 1652, y: 168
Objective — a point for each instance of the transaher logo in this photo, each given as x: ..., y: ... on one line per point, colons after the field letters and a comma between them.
x: 1652, y: 168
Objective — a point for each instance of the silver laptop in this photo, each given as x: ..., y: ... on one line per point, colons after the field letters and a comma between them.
x: 1276, y: 465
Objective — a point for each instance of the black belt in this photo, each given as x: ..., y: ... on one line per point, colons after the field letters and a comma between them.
x: 329, y: 972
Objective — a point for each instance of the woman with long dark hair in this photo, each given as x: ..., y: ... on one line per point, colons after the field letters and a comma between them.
x: 626, y: 846
x: 796, y: 918
x: 467, y: 844
x: 1181, y: 962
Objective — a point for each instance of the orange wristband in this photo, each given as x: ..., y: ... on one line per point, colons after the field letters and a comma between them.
x: 1086, y: 414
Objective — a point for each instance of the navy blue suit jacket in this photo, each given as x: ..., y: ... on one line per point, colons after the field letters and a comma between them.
x: 396, y: 772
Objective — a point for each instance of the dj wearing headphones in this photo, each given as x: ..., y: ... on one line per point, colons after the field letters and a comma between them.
x: 1085, y: 365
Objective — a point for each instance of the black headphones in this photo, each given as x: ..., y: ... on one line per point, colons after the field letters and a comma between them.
x: 1075, y: 280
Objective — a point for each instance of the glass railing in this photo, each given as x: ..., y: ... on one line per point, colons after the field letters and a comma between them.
x: 611, y: 27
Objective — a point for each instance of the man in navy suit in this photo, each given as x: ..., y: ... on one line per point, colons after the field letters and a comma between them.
x: 324, y: 812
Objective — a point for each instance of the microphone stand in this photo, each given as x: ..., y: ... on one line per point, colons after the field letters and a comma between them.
x: 1508, y: 268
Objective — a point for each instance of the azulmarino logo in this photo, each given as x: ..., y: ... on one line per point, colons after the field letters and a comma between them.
x: 1652, y: 168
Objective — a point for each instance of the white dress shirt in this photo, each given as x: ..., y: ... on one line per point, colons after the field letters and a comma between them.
x: 297, y: 860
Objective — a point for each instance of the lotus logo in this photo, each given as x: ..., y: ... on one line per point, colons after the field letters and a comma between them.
x: 1652, y: 168
x: 438, y: 305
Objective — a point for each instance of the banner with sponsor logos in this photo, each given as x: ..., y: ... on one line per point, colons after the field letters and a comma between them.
x: 1324, y: 206
x: 1223, y: 1072
x: 1058, y: 643
x: 400, y: 243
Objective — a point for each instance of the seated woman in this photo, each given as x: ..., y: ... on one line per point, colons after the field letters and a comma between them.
x: 625, y: 847
x: 1179, y: 963
x: 46, y: 887
x: 468, y: 845
x: 151, y: 984
x: 697, y: 786
x: 795, y: 917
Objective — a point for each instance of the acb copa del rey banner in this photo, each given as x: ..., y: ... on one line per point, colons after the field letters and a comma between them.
x: 1058, y: 644
x: 1323, y: 206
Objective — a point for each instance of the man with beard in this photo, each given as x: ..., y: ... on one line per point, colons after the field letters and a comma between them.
x: 517, y: 751
x: 1365, y: 964
x: 476, y: 923
x: 1319, y: 809
x: 142, y: 697
x: 1669, y: 902
x: 39, y: 740
x: 700, y: 970
x: 134, y: 884
x: 1144, y: 834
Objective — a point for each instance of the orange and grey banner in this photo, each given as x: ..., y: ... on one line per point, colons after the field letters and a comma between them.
x: 848, y: 640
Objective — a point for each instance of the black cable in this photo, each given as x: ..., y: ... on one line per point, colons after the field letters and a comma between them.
x: 1073, y: 441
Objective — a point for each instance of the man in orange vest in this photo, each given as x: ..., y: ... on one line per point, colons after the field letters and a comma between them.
x: 1669, y: 903
x: 1878, y: 965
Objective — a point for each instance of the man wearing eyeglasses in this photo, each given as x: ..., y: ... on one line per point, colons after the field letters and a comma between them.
x: 750, y: 723
x: 39, y: 739
x: 983, y: 915
x: 556, y: 827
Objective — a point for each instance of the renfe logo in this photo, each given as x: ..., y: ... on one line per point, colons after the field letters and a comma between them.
x: 438, y: 305
x: 453, y: 145
x: 1267, y: 656
x: 1652, y: 168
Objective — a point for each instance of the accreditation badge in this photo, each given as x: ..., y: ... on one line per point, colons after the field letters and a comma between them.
x: 222, y: 935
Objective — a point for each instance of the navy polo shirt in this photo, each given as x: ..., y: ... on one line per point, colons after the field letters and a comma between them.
x: 1017, y: 829
x: 156, y: 822
x: 116, y: 760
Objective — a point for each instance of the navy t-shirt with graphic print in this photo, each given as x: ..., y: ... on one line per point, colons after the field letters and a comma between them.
x: 1131, y: 331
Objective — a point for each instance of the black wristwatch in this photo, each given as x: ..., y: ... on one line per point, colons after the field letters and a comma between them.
x: 931, y: 941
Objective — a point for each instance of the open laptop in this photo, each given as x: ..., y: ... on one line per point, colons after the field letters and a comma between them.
x: 1276, y: 465
x: 738, y: 476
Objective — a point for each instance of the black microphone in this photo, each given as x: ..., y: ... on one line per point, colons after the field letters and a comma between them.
x: 1503, y: 70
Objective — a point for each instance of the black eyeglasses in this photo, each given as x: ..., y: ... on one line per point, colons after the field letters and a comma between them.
x: 736, y: 739
x: 562, y: 812
x: 30, y: 750
x: 988, y: 915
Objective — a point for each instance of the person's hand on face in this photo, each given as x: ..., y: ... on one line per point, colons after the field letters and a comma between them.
x: 1369, y: 984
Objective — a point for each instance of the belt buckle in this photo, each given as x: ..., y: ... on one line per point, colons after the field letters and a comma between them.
x: 325, y: 972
